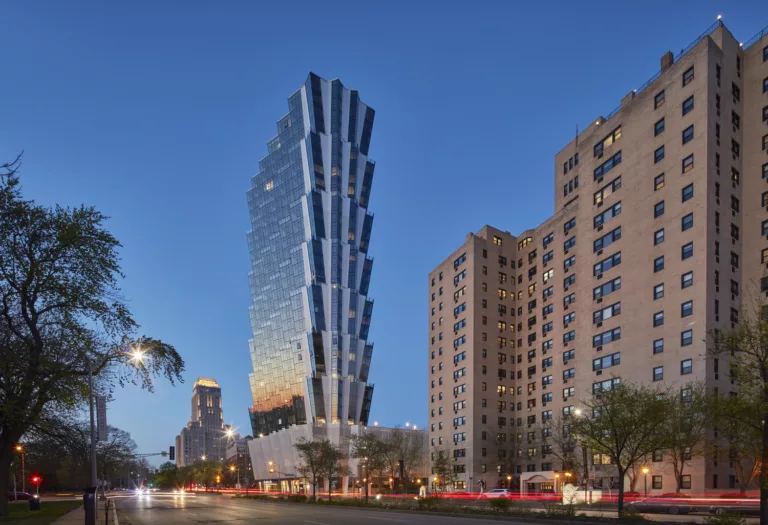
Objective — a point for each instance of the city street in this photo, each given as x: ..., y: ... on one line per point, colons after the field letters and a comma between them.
x: 201, y: 509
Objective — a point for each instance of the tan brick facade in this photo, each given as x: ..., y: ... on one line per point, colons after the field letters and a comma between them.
x: 495, y: 350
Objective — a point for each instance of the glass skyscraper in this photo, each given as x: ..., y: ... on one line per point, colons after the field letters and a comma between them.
x: 310, y: 231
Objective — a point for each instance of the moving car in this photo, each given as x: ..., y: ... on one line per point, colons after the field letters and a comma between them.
x: 19, y: 496
x: 498, y: 493
x: 661, y: 505
x: 729, y: 507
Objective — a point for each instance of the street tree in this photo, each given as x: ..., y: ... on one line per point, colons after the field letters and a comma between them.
x: 623, y: 422
x: 442, y: 470
x: 331, y: 465
x: 403, y: 446
x: 685, y: 429
x: 368, y: 449
x: 167, y: 476
x: 61, y: 317
x: 745, y: 349
x: 559, y: 440
x: 310, y: 461
x: 738, y: 433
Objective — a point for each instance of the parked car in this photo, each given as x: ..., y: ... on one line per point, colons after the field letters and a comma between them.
x: 661, y: 505
x: 498, y: 493
x: 19, y: 496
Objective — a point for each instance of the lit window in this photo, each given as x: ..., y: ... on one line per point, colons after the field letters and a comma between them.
x: 658, y: 100
x: 688, y: 163
x: 497, y: 240
x: 269, y: 185
x: 658, y: 182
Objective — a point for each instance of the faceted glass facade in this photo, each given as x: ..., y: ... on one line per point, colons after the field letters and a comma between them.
x: 310, y: 272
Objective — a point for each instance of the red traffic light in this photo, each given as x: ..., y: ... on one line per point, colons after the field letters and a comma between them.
x: 36, y: 479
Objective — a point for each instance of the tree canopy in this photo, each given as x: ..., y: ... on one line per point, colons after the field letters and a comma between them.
x: 61, y: 314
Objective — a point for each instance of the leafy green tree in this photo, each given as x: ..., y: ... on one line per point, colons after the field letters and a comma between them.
x: 685, y: 429
x: 623, y: 422
x: 311, y: 461
x: 442, y: 470
x: 369, y: 450
x: 60, y: 315
x: 744, y: 412
x: 331, y: 465
x: 167, y: 476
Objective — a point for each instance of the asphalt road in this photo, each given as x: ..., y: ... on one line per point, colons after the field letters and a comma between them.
x: 167, y: 509
x: 163, y: 509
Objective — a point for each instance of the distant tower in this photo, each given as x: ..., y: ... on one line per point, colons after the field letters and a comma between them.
x: 204, y: 435
x: 310, y: 270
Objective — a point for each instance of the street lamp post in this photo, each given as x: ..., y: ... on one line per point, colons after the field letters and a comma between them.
x: 272, y: 465
x: 232, y: 469
x: 645, y: 476
x: 20, y: 448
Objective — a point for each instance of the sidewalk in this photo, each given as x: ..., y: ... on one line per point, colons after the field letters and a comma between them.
x: 77, y: 516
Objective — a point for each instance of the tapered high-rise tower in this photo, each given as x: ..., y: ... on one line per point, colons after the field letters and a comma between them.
x: 310, y: 272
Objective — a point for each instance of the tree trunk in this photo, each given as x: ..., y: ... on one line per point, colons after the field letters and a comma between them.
x: 314, y: 489
x: 330, y: 487
x: 5, y: 474
x: 621, y: 488
x: 763, y: 478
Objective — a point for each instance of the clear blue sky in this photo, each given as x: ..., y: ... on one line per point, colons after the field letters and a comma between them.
x: 157, y: 113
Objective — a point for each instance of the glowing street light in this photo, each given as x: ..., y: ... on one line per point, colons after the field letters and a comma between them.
x: 202, y: 457
x: 137, y: 354
x: 645, y: 471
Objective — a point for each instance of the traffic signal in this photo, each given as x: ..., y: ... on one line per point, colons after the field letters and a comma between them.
x: 35, y: 479
x: 172, y: 453
x: 218, y: 479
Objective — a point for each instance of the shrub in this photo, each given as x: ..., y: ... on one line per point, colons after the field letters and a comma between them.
x: 428, y: 503
x: 726, y: 518
x: 297, y: 498
x: 502, y: 504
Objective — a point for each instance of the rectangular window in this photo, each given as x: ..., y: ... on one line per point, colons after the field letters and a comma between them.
x: 688, y: 105
x: 658, y: 155
x: 607, y: 215
x: 658, y: 100
x: 658, y: 128
x: 658, y: 346
x: 688, y: 134
x: 658, y: 182
x: 686, y: 367
x: 688, y: 221
x: 606, y: 190
x: 685, y: 481
x: 658, y: 291
x: 687, y: 251
x: 656, y: 482
x: 570, y: 243
x: 658, y: 237
x: 607, y: 263
x: 607, y: 141
x: 607, y: 166
x: 568, y: 226
x: 658, y: 319
x: 688, y: 193
x: 686, y: 280
x: 658, y: 209
x: 658, y: 373
x: 606, y: 337
x: 735, y: 91
x: 686, y: 309
x: 688, y: 163
x: 606, y: 313
x: 607, y: 239
x: 688, y: 76
x: 607, y: 288
x: 658, y: 264
x: 686, y: 338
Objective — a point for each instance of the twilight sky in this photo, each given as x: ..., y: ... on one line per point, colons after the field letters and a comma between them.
x: 157, y: 113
